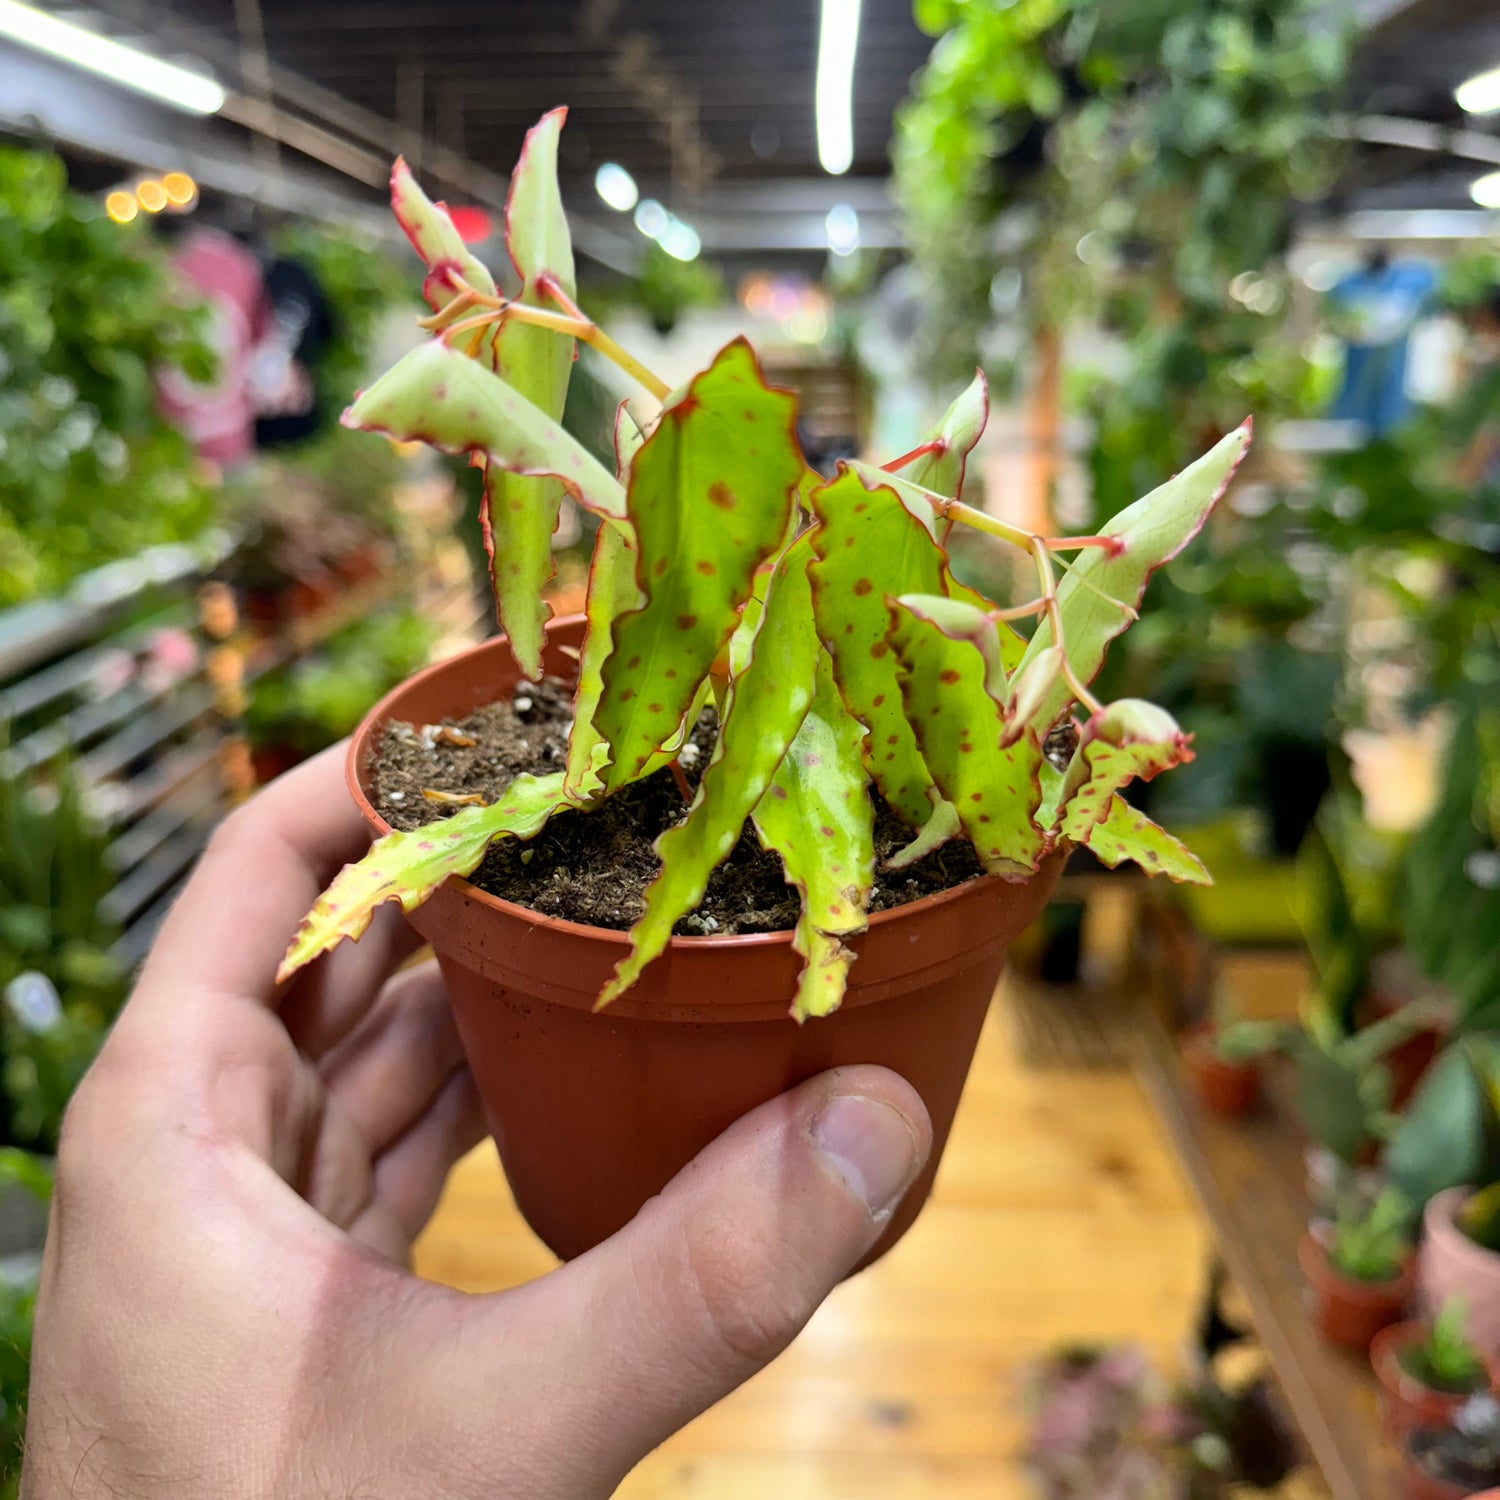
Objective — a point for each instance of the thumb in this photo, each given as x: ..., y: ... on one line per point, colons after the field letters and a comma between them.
x: 714, y: 1278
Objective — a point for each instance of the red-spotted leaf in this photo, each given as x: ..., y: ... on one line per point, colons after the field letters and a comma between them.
x: 409, y: 866
x: 941, y: 468
x: 520, y: 512
x: 438, y: 396
x: 868, y: 545
x: 433, y: 237
x: 710, y: 496
x: 993, y: 790
x: 818, y: 817
x: 1149, y: 533
x: 767, y: 703
x: 1130, y: 738
x: 1128, y: 834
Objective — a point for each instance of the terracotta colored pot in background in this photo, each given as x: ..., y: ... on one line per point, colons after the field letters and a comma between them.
x: 594, y: 1114
x: 1452, y: 1265
x: 1226, y: 1088
x: 1417, y: 1485
x: 1405, y: 1402
x: 1350, y: 1313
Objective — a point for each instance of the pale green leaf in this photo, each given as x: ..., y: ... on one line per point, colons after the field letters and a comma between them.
x: 1150, y: 532
x: 434, y: 238
x: 409, y: 866
x: 711, y: 492
x: 438, y: 396
x: 1130, y: 739
x: 519, y: 513
x: 766, y: 706
x: 942, y: 469
x: 818, y: 817
x: 1128, y: 834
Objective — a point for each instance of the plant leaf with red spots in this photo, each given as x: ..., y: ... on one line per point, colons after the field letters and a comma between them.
x: 868, y: 545
x: 1150, y: 532
x: 767, y: 703
x: 433, y: 237
x: 520, y: 511
x: 957, y: 723
x: 818, y: 817
x: 409, y: 866
x: 438, y: 396
x: 943, y: 468
x: 710, y: 497
x: 1130, y: 738
x: 1126, y: 833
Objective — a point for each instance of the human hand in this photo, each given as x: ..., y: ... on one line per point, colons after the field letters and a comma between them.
x: 224, y: 1310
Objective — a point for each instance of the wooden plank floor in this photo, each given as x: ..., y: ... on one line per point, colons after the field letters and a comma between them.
x: 1059, y: 1214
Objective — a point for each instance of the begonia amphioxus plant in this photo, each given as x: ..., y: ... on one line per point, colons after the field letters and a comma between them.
x: 819, y: 616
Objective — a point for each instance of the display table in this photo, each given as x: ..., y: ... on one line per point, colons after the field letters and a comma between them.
x: 1248, y: 1177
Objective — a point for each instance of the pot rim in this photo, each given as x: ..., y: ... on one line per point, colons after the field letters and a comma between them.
x: 384, y: 712
x: 1312, y: 1253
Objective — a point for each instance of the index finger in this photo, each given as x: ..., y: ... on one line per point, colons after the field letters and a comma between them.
x: 261, y: 871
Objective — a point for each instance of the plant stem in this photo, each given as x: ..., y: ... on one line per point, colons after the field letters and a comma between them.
x: 571, y: 324
x: 1044, y: 572
x: 933, y: 445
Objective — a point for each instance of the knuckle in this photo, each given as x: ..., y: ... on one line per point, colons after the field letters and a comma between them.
x: 753, y: 1299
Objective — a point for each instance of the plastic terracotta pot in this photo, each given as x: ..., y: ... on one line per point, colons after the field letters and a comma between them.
x: 1406, y: 1402
x: 595, y: 1113
x: 1226, y: 1088
x: 1452, y: 1265
x: 1350, y: 1313
x: 1418, y: 1484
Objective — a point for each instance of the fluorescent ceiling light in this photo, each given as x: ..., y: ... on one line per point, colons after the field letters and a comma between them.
x: 82, y: 48
x: 680, y: 240
x: 842, y: 227
x: 1485, y: 191
x: 616, y: 186
x: 838, y: 38
x: 1479, y: 95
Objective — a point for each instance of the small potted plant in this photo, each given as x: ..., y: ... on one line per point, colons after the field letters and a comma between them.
x: 784, y: 762
x: 1426, y: 1373
x: 1461, y: 1258
x: 1455, y: 1461
x: 1359, y: 1270
x: 1223, y: 1060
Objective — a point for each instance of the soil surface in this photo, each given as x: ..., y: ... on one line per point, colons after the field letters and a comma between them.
x: 594, y: 867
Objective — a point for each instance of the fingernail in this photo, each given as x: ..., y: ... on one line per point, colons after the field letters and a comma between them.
x: 871, y: 1146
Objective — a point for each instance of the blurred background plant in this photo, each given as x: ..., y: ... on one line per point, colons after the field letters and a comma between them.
x: 89, y: 471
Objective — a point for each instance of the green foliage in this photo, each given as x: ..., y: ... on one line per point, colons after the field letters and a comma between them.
x: 89, y: 471
x: 53, y: 875
x: 821, y: 616
x: 321, y: 698
x: 1370, y: 1243
x: 1446, y: 1360
x: 18, y: 1170
x: 1449, y: 1134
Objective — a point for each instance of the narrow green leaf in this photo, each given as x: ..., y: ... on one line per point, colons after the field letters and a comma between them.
x: 434, y: 238
x: 409, y: 866
x: 710, y: 497
x: 933, y: 834
x: 867, y: 545
x: 519, y: 513
x: 958, y: 726
x: 438, y: 396
x: 766, y: 707
x: 818, y: 817
x: 1130, y: 738
x: 612, y: 591
x: 1128, y: 834
x: 1150, y: 532
x: 962, y: 425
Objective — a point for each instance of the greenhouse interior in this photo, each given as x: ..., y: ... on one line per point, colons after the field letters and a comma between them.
x: 835, y: 457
